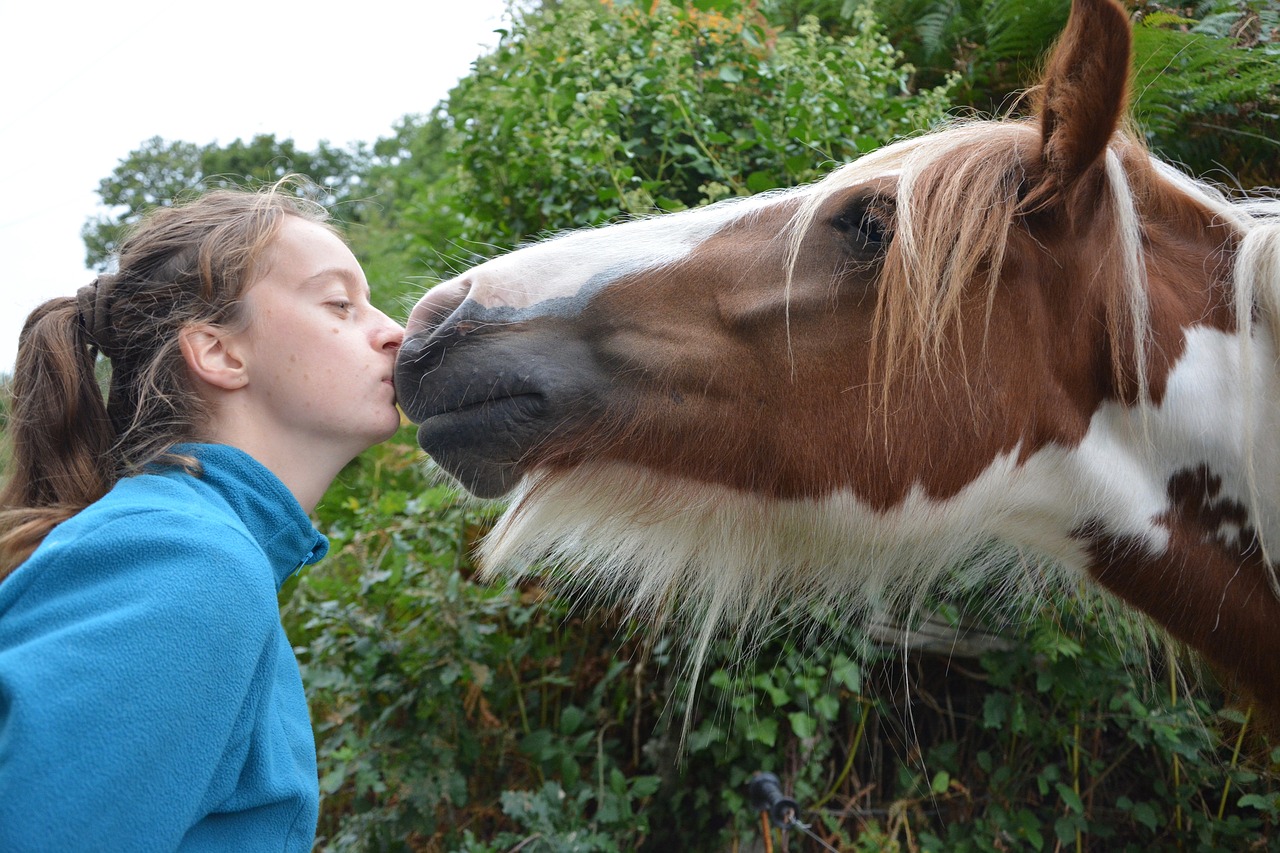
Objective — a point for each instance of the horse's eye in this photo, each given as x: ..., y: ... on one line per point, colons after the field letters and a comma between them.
x: 865, y: 227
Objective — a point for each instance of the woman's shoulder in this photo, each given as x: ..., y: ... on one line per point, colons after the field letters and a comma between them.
x: 149, y: 511
x: 154, y: 540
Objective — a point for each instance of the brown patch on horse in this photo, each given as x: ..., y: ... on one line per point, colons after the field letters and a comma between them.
x: 1208, y: 589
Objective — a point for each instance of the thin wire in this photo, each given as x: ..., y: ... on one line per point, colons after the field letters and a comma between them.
x: 792, y: 822
x: 805, y: 829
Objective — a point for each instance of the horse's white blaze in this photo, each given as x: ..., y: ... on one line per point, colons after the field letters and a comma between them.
x: 559, y: 276
x: 652, y: 539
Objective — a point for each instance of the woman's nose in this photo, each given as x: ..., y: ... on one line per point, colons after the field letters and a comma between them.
x: 391, y: 334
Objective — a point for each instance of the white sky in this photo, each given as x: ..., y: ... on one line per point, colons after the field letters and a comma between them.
x: 85, y: 84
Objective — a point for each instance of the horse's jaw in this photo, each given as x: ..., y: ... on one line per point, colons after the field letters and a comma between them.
x: 733, y: 558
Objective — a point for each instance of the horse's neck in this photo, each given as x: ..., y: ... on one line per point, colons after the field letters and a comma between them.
x: 1201, y: 468
x: 1216, y: 415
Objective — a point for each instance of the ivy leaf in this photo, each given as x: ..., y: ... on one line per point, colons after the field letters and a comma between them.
x: 803, y: 725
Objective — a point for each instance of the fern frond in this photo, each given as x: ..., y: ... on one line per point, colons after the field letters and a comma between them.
x: 1021, y: 30
x: 1203, y: 100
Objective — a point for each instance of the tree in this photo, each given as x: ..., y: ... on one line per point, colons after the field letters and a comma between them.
x: 159, y: 173
x: 591, y: 110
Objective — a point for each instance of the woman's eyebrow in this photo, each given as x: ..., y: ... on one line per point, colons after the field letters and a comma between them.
x: 349, y: 279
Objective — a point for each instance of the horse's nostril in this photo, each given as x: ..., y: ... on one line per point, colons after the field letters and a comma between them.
x: 435, y: 307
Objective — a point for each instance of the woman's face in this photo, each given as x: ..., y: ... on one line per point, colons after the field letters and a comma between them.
x: 319, y: 357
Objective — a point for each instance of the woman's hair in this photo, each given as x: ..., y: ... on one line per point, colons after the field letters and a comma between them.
x: 183, y: 265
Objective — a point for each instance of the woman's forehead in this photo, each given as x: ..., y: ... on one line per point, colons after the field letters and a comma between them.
x: 307, y: 255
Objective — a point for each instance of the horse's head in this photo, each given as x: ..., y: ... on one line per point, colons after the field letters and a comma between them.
x: 846, y: 388
x: 792, y: 345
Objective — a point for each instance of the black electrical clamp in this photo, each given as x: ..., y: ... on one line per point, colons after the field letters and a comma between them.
x: 764, y: 792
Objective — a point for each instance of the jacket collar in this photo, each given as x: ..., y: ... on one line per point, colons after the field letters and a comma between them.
x: 267, y: 508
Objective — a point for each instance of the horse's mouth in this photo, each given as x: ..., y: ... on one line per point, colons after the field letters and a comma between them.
x: 474, y: 421
x: 495, y: 404
x: 486, y: 418
x: 481, y: 442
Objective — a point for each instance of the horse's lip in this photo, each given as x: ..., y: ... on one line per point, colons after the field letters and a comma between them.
x: 490, y: 405
x: 481, y: 440
x: 474, y: 405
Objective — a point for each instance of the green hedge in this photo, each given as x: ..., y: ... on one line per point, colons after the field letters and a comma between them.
x: 458, y: 715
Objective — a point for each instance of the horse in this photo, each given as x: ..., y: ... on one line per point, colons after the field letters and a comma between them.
x: 1017, y: 352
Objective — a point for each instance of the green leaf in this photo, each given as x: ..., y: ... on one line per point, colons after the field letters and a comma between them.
x: 1070, y: 797
x: 760, y: 181
x: 1145, y: 814
x: 645, y: 786
x: 847, y: 673
x: 1065, y: 829
x: 571, y: 719
x: 537, y: 744
x: 763, y: 730
x: 803, y: 725
x: 1268, y: 804
x: 828, y: 707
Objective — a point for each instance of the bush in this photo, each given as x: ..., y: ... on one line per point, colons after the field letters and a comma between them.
x: 454, y: 715
x: 437, y: 700
x: 590, y: 110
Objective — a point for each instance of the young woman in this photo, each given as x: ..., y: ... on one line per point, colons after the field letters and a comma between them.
x: 149, y: 698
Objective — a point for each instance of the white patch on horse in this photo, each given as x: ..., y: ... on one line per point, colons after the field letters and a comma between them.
x: 1131, y: 454
x: 1213, y: 396
x: 558, y: 276
x: 729, y: 556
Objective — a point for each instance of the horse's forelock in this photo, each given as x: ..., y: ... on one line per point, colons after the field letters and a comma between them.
x: 956, y: 201
x: 959, y: 197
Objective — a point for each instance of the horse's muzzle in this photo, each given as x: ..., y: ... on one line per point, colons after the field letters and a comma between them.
x: 492, y: 401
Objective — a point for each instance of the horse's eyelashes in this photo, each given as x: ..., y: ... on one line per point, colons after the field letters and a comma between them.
x: 864, y: 225
x: 874, y: 229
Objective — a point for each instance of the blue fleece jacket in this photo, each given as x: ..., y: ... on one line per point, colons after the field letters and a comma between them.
x: 149, y: 698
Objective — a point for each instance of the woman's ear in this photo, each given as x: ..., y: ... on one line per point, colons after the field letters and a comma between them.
x: 212, y: 357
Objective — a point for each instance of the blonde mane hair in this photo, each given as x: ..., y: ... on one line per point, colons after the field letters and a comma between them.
x: 958, y: 198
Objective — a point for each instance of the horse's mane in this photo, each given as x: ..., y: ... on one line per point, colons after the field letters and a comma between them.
x: 959, y: 195
x: 960, y: 192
